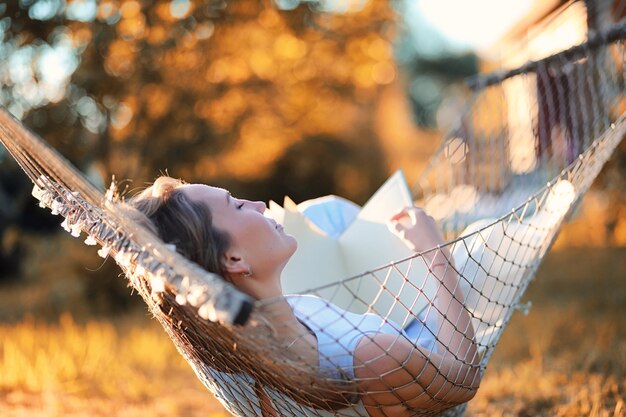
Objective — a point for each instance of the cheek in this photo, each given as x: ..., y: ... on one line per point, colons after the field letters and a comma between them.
x: 243, y: 236
x: 260, y: 234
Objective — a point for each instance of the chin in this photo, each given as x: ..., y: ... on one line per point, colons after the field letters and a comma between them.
x: 294, y: 244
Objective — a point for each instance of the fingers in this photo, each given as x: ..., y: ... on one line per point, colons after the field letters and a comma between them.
x: 399, y: 226
x: 399, y: 214
x: 408, y: 220
x: 413, y: 214
x: 400, y: 223
x: 416, y: 228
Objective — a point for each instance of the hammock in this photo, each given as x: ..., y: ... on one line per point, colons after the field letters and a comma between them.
x: 528, y: 147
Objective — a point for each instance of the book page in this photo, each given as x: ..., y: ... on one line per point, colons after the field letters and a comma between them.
x: 276, y: 212
x: 368, y: 243
x: 317, y: 261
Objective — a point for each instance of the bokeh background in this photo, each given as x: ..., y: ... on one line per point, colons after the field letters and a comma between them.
x: 271, y: 98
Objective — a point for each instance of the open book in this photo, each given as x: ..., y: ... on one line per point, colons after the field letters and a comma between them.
x: 338, y: 240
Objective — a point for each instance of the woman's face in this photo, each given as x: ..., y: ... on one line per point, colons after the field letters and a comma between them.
x: 257, y: 240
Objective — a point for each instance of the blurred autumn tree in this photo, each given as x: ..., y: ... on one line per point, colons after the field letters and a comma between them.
x: 264, y: 98
x: 211, y: 91
x: 267, y: 98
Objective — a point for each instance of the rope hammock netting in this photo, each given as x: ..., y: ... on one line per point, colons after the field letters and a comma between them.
x: 529, y: 145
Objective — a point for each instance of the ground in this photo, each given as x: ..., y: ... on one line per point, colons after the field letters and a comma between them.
x: 566, y: 358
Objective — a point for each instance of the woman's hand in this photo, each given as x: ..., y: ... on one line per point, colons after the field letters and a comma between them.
x: 417, y: 229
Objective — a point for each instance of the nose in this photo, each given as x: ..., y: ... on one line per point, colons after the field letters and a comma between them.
x: 260, y: 206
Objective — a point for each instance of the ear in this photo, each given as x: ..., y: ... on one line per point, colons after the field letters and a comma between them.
x: 235, y: 264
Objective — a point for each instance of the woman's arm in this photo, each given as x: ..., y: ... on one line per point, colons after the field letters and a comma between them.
x: 395, y: 375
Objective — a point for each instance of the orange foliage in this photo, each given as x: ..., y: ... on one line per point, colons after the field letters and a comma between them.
x: 256, y: 79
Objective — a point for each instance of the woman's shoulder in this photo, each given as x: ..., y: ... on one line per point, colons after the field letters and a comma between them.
x: 312, y: 305
x: 305, y: 299
x: 319, y: 313
x: 333, y: 330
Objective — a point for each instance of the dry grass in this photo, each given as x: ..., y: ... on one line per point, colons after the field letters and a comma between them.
x: 123, y: 368
x: 567, y: 358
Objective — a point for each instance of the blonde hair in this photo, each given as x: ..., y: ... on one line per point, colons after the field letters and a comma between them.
x: 186, y: 224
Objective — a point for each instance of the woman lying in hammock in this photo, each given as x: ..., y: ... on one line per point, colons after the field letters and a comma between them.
x: 396, y: 373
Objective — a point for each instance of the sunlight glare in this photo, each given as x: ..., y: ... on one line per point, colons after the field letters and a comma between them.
x: 56, y: 64
x: 472, y: 24
x: 465, y: 197
x: 19, y: 66
x: 439, y: 206
x: 180, y: 8
x: 44, y: 10
x: 522, y: 151
x: 560, y: 198
x: 82, y: 10
x: 122, y: 115
x: 569, y: 29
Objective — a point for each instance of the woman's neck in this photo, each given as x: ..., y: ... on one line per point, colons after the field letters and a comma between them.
x: 290, y: 333
x: 260, y: 286
x: 262, y: 290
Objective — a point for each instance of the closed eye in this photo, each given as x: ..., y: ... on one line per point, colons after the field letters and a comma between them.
x: 239, y: 206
